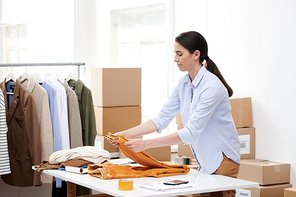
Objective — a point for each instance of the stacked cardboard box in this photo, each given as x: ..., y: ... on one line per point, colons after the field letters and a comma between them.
x: 273, y: 177
x: 117, y: 101
x: 290, y: 192
x: 241, y: 111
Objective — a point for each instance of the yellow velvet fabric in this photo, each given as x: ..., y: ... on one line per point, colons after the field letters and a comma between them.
x: 150, y: 167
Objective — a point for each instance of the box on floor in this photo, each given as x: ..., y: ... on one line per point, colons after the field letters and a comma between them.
x: 290, y: 192
x: 241, y: 110
x: 116, y: 86
x: 114, y: 119
x: 264, y: 172
x: 269, y: 190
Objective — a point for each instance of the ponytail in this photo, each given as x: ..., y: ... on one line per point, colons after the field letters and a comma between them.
x: 211, y: 66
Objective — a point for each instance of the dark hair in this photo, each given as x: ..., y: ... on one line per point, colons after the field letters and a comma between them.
x: 193, y: 41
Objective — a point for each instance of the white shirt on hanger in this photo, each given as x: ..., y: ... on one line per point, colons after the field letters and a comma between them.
x: 62, y: 109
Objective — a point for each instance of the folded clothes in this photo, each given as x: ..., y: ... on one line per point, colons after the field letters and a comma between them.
x: 45, y: 165
x: 88, y: 153
x: 150, y: 166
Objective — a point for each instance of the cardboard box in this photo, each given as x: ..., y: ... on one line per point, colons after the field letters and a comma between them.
x: 159, y: 153
x: 269, y: 191
x: 290, y: 192
x: 114, y: 119
x: 102, y: 142
x: 116, y: 86
x: 264, y: 172
x: 241, y: 110
x: 247, y: 142
x: 179, y: 119
x: 185, y: 150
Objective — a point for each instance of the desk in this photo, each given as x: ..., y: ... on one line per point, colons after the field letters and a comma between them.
x: 202, y: 184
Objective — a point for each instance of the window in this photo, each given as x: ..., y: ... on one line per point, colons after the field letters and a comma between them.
x: 38, y: 32
x: 135, y: 35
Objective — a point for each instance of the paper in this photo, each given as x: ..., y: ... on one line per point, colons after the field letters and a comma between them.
x: 245, y: 142
x: 76, y: 170
x: 159, y: 186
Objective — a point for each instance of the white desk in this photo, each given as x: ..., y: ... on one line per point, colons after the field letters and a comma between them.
x: 202, y: 184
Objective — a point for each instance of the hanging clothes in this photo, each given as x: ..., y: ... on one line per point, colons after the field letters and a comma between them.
x: 87, y: 112
x: 57, y: 143
x: 44, y: 120
x: 22, y: 136
x: 62, y: 109
x: 75, y: 129
x: 4, y: 157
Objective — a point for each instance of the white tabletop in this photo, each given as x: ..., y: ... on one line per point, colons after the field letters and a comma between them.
x: 201, y: 183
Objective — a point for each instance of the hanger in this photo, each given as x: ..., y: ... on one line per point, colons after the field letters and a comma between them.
x: 38, y: 77
x: 25, y: 76
x: 10, y: 77
x: 59, y: 78
x: 71, y: 76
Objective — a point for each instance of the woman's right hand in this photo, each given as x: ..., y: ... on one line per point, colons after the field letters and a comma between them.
x: 115, y: 143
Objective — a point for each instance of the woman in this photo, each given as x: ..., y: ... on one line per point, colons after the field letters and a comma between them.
x: 202, y: 97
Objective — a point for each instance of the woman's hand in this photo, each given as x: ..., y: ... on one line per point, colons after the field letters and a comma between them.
x: 115, y: 143
x: 137, y: 145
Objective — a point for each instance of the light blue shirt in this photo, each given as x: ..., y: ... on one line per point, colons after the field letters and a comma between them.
x: 206, y: 114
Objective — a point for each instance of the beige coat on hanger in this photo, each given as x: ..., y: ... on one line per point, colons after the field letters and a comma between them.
x: 44, y: 120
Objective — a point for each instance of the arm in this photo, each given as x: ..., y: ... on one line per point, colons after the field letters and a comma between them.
x: 137, y: 145
x: 142, y: 129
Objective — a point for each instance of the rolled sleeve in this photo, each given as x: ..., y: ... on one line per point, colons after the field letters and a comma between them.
x: 185, y: 136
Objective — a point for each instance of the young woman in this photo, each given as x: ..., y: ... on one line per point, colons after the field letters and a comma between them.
x: 202, y: 97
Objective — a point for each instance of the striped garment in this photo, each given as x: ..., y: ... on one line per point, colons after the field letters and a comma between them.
x: 4, y: 158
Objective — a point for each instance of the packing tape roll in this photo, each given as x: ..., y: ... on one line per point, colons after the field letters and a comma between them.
x: 125, y: 185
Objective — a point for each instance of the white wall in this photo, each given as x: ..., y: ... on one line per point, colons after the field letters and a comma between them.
x: 254, y: 43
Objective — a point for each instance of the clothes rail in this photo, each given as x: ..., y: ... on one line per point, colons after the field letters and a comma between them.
x: 44, y: 64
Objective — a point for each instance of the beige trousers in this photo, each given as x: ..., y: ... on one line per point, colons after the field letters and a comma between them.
x: 227, y: 168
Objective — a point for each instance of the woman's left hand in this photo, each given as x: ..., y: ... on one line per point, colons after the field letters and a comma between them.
x: 136, y: 145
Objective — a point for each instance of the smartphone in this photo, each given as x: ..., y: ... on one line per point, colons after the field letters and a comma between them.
x: 175, y: 182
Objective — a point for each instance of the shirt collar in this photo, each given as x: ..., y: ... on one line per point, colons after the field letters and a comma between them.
x: 197, y: 78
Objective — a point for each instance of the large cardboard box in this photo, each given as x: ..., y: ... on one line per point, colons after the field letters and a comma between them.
x: 247, y: 142
x: 114, y: 119
x: 264, y: 172
x: 269, y: 191
x: 241, y: 110
x: 116, y: 86
x: 290, y: 192
x: 159, y: 153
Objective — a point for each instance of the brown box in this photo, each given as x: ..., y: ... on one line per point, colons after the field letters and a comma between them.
x: 241, y: 110
x: 179, y: 119
x: 290, y: 192
x: 159, y: 153
x: 106, y: 145
x: 185, y: 150
x: 264, y: 172
x: 114, y: 119
x: 116, y: 86
x: 269, y: 191
x: 247, y: 142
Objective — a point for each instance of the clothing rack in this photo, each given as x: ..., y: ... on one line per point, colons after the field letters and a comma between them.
x: 44, y: 64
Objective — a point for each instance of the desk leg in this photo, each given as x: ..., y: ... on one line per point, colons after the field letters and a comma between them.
x: 71, y: 189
